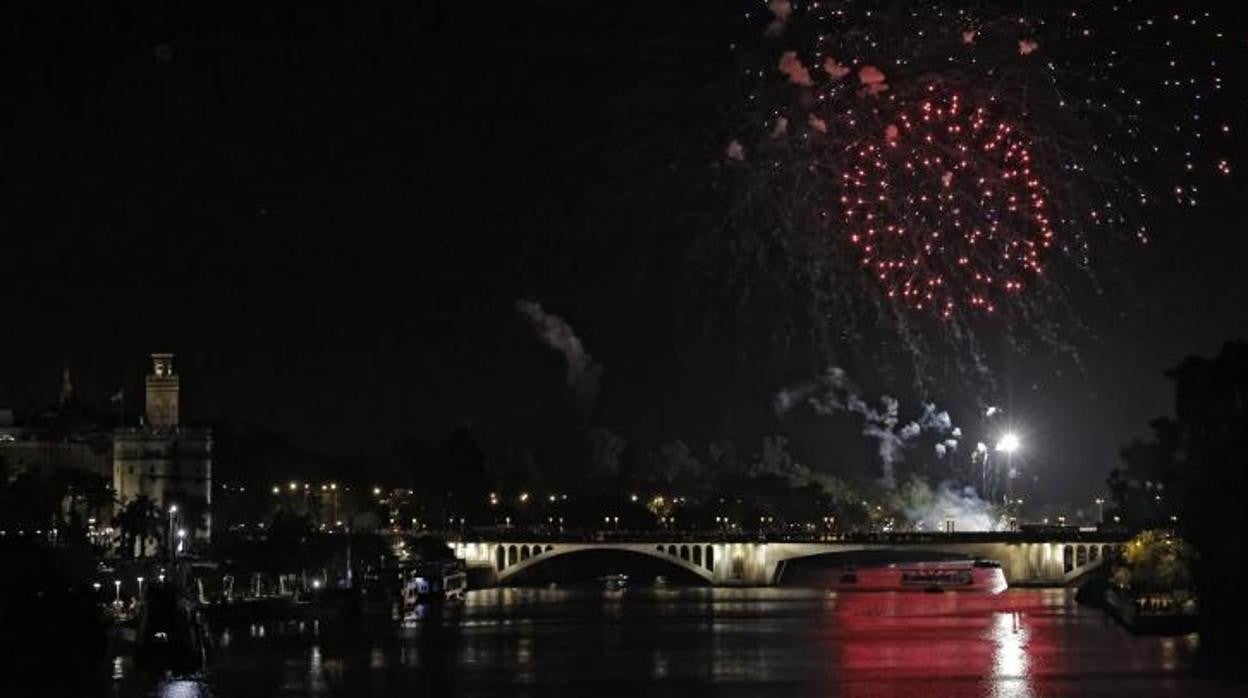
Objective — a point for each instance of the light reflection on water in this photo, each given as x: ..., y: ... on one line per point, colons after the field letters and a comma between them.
x: 504, y: 642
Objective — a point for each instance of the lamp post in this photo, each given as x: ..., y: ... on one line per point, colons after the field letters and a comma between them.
x: 1008, y: 444
x: 1100, y: 510
x: 173, y: 512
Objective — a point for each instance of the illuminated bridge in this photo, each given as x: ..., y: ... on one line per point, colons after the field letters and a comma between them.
x: 1048, y: 559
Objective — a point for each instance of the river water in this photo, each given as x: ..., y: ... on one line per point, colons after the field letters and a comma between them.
x: 702, y: 642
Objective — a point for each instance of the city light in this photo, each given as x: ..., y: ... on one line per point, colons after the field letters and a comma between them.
x: 1008, y: 443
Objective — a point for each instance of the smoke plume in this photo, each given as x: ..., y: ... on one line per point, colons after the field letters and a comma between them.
x: 834, y: 393
x: 947, y: 505
x: 554, y: 332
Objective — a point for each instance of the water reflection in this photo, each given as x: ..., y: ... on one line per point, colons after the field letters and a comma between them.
x: 1010, y: 661
x: 707, y: 642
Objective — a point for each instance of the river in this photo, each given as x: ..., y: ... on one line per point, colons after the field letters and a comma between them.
x: 702, y: 642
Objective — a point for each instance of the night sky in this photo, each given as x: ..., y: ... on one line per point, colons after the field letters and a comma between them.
x: 328, y: 213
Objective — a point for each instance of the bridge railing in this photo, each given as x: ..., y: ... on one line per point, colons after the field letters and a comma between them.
x: 521, y: 535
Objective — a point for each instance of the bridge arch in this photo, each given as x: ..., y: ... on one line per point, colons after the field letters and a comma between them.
x: 668, y: 556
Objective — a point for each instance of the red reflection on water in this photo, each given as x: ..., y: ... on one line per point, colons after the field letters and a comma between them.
x: 987, y: 642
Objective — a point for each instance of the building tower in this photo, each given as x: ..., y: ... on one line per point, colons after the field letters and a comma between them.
x: 162, y: 393
x: 163, y: 460
x: 67, y: 388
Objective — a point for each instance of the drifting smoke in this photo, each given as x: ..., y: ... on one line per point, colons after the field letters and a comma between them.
x: 582, y: 372
x: 834, y: 393
x: 947, y: 504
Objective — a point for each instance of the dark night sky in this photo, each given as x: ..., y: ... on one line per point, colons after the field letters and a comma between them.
x: 328, y: 214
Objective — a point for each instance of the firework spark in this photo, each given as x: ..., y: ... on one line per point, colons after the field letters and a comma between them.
x: 946, y: 211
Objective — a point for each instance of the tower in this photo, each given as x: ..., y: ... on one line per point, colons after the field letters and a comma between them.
x: 67, y: 388
x: 162, y: 393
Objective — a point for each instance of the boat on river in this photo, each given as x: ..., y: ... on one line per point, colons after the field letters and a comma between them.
x: 949, y: 575
x: 431, y: 581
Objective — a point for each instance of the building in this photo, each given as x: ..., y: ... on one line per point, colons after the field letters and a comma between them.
x: 169, y: 463
x: 66, y: 436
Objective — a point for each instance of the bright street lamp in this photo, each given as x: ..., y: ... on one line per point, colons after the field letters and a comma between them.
x: 173, y: 511
x: 1008, y: 443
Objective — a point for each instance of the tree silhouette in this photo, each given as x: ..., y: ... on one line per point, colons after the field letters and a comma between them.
x: 138, y: 521
x: 1193, y: 470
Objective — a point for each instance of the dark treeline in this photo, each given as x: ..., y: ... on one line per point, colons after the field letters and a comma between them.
x: 1191, y: 474
x: 575, y: 481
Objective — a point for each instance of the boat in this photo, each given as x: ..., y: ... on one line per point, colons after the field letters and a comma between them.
x: 614, y: 582
x: 432, y: 581
x: 951, y: 575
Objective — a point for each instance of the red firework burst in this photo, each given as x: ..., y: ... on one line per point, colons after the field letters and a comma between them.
x: 945, y: 208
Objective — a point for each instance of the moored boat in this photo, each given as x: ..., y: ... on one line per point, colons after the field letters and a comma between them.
x: 952, y: 575
x: 431, y: 581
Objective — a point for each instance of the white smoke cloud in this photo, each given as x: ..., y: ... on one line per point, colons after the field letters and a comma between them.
x: 834, y: 393
x: 582, y: 373
x: 933, y: 509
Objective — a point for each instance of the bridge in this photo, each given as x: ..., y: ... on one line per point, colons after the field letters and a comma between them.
x: 1055, y: 559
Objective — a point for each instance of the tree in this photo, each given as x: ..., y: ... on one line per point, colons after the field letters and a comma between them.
x: 1156, y: 561
x: 1194, y: 467
x: 138, y: 521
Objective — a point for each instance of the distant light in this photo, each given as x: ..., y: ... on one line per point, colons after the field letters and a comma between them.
x: 377, y: 491
x: 173, y: 508
x: 276, y: 489
x: 294, y: 485
x: 1008, y: 443
x: 181, y: 533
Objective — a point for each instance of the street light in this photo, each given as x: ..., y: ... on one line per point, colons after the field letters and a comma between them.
x: 173, y: 512
x: 1100, y: 509
x: 117, y: 588
x: 1008, y: 444
x: 140, y: 581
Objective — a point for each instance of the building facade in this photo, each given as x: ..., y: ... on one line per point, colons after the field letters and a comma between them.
x: 163, y: 460
x: 64, y: 436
